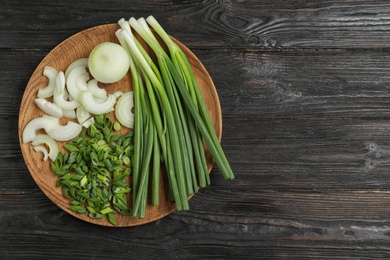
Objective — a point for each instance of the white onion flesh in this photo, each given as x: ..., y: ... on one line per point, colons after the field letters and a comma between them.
x: 74, y: 89
x: 88, y: 122
x: 123, y: 110
x: 117, y: 93
x: 51, y: 74
x: 45, y: 122
x: 96, y: 91
x: 79, y: 62
x: 69, y: 113
x: 49, y: 108
x: 82, y: 81
x: 82, y: 114
x: 43, y: 150
x: 60, y: 94
x: 108, y: 62
x: 65, y: 132
x: 50, y: 143
x: 95, y: 107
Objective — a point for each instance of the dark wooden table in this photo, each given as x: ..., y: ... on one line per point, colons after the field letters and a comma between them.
x: 305, y: 94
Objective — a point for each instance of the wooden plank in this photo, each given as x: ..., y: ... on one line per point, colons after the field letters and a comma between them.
x: 279, y: 224
x: 267, y: 25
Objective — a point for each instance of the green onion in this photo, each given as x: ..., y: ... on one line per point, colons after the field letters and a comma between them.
x: 171, y: 123
x: 180, y: 118
x: 156, y: 169
x: 203, y: 120
x: 92, y: 176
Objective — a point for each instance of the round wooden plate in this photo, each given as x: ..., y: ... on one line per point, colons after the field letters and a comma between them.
x: 79, y: 46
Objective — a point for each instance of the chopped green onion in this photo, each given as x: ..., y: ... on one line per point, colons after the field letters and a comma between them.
x: 117, y: 126
x: 86, y: 172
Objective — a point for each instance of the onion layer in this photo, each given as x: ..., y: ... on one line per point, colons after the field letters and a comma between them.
x: 75, y: 76
x: 49, y: 108
x: 65, y: 132
x: 94, y: 106
x: 45, y: 122
x: 49, y: 142
x: 123, y: 110
x: 60, y: 94
x: 43, y: 150
x: 51, y: 74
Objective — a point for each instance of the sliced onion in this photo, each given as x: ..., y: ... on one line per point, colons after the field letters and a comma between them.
x: 123, y: 109
x: 82, y: 81
x: 79, y: 62
x: 49, y: 142
x: 94, y: 106
x: 45, y: 122
x: 96, y: 91
x: 82, y: 114
x: 117, y: 94
x: 74, y: 89
x: 51, y: 74
x: 65, y: 132
x: 69, y: 113
x: 49, y: 108
x: 60, y: 94
x: 88, y: 122
x: 42, y: 150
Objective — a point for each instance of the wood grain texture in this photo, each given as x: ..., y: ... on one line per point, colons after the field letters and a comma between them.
x: 268, y: 25
x: 304, y: 91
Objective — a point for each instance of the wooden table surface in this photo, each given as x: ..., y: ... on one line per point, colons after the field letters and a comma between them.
x: 304, y: 88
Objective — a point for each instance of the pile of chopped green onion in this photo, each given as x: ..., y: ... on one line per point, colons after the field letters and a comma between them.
x: 93, y: 173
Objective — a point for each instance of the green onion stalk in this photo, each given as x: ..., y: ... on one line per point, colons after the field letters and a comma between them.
x: 175, y: 169
x: 201, y: 116
x: 172, y: 119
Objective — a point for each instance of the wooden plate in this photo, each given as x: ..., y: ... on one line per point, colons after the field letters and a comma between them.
x: 79, y: 46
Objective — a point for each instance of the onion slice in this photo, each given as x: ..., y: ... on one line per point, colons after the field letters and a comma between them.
x: 49, y: 142
x: 77, y: 74
x: 51, y: 74
x: 43, y: 150
x: 45, y: 122
x: 49, y: 108
x: 94, y: 106
x: 88, y: 122
x: 96, y: 91
x: 82, y: 114
x: 65, y: 132
x: 123, y: 110
x: 69, y: 113
x: 60, y: 94
x: 77, y: 63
